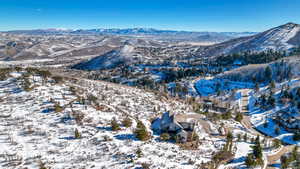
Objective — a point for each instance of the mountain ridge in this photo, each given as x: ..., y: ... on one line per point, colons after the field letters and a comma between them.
x: 280, y: 38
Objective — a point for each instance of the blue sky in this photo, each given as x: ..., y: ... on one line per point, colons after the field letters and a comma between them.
x: 194, y: 15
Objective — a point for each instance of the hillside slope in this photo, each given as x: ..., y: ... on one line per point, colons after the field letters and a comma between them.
x: 281, y: 38
x: 281, y: 69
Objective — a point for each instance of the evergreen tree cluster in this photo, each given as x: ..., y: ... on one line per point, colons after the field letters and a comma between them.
x: 291, y: 160
x: 249, y: 57
x: 255, y: 158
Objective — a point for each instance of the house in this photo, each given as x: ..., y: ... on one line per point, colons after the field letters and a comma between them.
x: 180, y: 125
x: 222, y: 104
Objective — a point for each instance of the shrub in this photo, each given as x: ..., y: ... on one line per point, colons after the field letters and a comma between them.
x: 107, y: 138
x: 26, y: 85
x: 114, y: 125
x: 127, y: 122
x: 92, y: 98
x: 146, y: 166
x: 272, y: 85
x: 165, y: 137
x: 57, y: 79
x: 79, y: 118
x: 4, y: 73
x: 42, y: 165
x: 226, y: 115
x: 193, y: 136
x: 44, y: 73
x: 296, y: 136
x: 57, y: 108
x: 139, y: 152
x: 72, y: 89
x: 239, y: 117
x: 222, y: 156
x: 276, y: 143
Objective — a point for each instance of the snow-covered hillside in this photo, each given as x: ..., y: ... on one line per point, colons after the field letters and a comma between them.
x: 35, y: 132
x: 109, y: 60
x: 280, y: 38
x: 39, y: 117
x: 281, y: 69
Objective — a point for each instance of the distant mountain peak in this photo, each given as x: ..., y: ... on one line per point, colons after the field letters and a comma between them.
x: 281, y: 38
x: 290, y: 25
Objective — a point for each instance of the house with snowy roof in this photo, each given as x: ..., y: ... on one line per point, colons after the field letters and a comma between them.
x: 180, y: 125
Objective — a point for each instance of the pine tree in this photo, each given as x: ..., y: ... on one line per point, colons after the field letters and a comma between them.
x: 114, y: 125
x: 272, y: 85
x: 256, y: 87
x: 245, y: 137
x: 268, y: 73
x: 271, y: 101
x: 284, y: 162
x: 141, y: 132
x: 250, y: 161
x: 77, y: 134
x: 255, y: 158
x: 257, y: 149
x: 257, y: 140
x: 266, y: 124
x: 296, y: 136
x: 295, y: 154
x: 277, y: 131
x: 239, y: 137
x: 229, y: 142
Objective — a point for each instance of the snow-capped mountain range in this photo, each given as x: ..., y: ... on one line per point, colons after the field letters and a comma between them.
x: 154, y: 33
x: 126, y: 31
x: 17, y: 45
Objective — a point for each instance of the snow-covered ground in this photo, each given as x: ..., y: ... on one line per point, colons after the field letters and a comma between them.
x: 207, y: 87
x: 32, y: 132
x: 259, y: 116
x: 262, y: 117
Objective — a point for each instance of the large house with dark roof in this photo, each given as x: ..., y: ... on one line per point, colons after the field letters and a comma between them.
x: 181, y: 125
